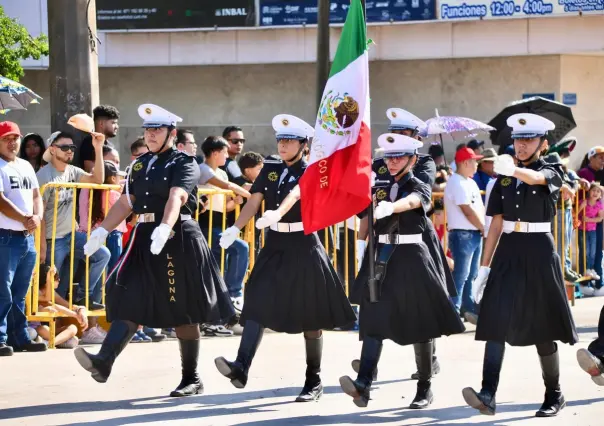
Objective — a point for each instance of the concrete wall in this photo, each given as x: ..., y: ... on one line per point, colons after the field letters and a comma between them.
x: 212, y: 97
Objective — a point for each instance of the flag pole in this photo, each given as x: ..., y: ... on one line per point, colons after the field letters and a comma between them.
x: 372, y: 282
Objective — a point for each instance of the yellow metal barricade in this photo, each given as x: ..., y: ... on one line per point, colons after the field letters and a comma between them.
x: 32, y: 299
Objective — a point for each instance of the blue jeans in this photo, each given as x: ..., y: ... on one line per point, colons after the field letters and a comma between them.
x: 98, y: 262
x: 597, y: 261
x: 17, y: 262
x: 590, y: 248
x: 114, y: 244
x: 568, y: 235
x: 466, y: 249
x: 237, y: 259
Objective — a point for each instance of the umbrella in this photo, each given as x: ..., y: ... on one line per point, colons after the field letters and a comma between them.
x: 453, y: 129
x: 15, y: 96
x: 560, y: 114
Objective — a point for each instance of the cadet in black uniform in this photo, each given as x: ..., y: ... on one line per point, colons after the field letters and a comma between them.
x: 167, y: 276
x: 414, y: 306
x: 293, y: 287
x: 524, y: 300
x: 404, y: 123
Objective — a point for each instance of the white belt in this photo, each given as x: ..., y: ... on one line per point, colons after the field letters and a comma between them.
x: 530, y: 227
x: 287, y: 227
x: 401, y: 239
x: 150, y: 217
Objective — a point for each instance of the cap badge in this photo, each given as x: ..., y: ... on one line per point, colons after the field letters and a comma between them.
x: 390, y: 139
x: 393, y: 114
x: 522, y: 121
x: 285, y: 122
x: 147, y: 110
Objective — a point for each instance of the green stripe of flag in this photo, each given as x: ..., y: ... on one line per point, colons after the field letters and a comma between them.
x: 353, y: 41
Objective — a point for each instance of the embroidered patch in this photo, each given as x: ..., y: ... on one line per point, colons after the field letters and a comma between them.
x: 137, y: 167
x: 380, y: 194
x: 272, y: 176
x: 506, y: 181
x: 382, y: 170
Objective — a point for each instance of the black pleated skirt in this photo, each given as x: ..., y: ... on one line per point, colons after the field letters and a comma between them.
x: 524, y: 301
x: 437, y: 251
x: 294, y: 288
x: 413, y: 305
x: 181, y: 285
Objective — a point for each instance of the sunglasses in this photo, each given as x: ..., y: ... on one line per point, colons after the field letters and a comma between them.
x: 235, y: 141
x: 66, y: 148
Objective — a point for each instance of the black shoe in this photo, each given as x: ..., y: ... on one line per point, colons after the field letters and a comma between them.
x: 435, y: 370
x: 154, y: 335
x: 100, y: 365
x: 31, y: 347
x: 355, y: 367
x: 92, y: 306
x: 191, y: 383
x: 233, y: 371
x: 357, y: 390
x: 237, y: 371
x: 5, y: 350
x: 482, y: 401
x: 423, y: 397
x: 554, y: 400
x: 313, y: 389
x: 591, y: 365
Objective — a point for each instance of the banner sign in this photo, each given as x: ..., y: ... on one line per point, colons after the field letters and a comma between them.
x: 485, y: 9
x: 173, y: 14
x: 304, y: 12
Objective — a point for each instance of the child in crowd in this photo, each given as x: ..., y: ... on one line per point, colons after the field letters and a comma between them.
x: 65, y: 334
x: 593, y: 213
x: 437, y: 214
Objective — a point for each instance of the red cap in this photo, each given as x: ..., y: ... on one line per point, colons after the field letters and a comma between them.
x: 8, y: 128
x: 466, y: 154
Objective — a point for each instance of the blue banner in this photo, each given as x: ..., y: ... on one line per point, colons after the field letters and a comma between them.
x: 302, y: 12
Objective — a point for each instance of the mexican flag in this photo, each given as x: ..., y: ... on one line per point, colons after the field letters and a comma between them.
x: 336, y: 184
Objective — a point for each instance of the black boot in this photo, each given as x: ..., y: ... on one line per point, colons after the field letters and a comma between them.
x: 435, y: 363
x: 554, y: 400
x: 120, y: 333
x: 313, y: 388
x: 191, y: 383
x: 237, y: 371
x: 484, y: 401
x: 423, y: 359
x: 359, y: 388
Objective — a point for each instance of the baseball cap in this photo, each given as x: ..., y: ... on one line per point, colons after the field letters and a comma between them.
x: 111, y: 169
x: 595, y: 151
x: 466, y: 154
x: 474, y: 144
x: 8, y: 128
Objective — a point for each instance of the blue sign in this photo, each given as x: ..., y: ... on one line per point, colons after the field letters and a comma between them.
x: 550, y: 96
x: 569, y: 98
x: 303, y: 12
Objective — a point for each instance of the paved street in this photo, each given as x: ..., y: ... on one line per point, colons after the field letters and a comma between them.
x: 51, y: 388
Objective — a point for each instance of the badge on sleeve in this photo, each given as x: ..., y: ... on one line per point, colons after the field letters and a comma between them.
x: 380, y: 194
x: 272, y: 176
x: 137, y: 167
x: 506, y: 181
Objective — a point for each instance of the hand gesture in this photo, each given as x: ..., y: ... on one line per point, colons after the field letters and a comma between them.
x: 504, y: 165
x: 228, y: 237
x: 98, y: 140
x: 159, y: 237
x: 270, y: 217
x: 97, y: 238
x: 383, y: 209
x: 32, y: 222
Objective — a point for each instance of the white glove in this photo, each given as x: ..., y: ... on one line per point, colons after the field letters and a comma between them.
x: 270, y: 217
x: 480, y: 283
x: 96, y: 240
x: 383, y: 209
x: 228, y: 237
x: 361, y: 245
x: 372, y: 179
x: 159, y: 237
x: 504, y: 165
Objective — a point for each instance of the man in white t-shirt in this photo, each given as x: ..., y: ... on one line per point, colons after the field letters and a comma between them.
x: 20, y: 215
x: 465, y: 223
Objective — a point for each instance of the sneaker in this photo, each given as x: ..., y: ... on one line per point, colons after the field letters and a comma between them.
x: 32, y: 333
x: 169, y: 332
x: 93, y: 336
x: 237, y: 304
x: 154, y: 333
x: 136, y: 338
x: 5, y: 350
x: 587, y: 291
x: 237, y: 329
x: 71, y: 343
x: 216, y: 331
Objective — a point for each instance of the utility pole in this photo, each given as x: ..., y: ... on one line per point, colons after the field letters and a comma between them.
x: 74, y: 83
x: 323, y: 59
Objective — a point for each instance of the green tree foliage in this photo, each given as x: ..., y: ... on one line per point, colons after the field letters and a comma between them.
x: 17, y: 44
